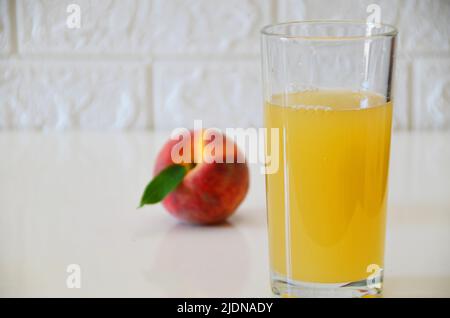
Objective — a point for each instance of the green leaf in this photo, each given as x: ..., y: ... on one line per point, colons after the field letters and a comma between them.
x: 164, y: 183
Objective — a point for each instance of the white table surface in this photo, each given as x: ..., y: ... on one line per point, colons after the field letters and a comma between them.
x: 71, y: 199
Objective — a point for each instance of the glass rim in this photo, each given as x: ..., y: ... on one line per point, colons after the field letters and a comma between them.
x: 391, y: 30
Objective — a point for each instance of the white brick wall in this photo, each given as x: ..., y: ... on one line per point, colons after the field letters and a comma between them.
x: 73, y: 95
x: 431, y: 87
x: 140, y: 64
x: 221, y: 93
x: 5, y: 28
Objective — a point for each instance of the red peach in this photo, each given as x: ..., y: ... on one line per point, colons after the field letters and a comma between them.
x: 210, y: 192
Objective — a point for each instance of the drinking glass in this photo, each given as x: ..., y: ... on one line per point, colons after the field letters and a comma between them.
x: 327, y: 91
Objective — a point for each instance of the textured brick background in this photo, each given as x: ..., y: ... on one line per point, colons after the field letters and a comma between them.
x: 157, y: 64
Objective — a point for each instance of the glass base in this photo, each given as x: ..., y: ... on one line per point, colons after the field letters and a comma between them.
x: 283, y: 287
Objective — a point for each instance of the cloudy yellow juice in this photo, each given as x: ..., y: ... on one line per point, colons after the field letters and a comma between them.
x: 327, y: 201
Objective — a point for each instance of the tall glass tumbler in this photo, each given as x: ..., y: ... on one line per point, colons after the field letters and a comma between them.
x: 327, y: 90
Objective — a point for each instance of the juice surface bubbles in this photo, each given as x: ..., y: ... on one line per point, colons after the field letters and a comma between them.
x: 327, y: 201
